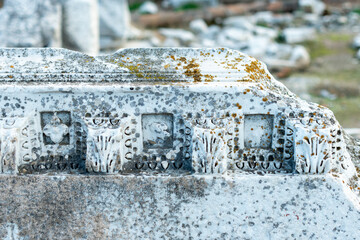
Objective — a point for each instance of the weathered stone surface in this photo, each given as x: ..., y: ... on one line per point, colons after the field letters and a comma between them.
x: 73, y: 24
x: 30, y: 23
x: 169, y: 207
x: 167, y: 143
x: 242, y: 119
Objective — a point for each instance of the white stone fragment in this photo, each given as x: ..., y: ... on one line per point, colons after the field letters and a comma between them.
x: 235, y: 34
x: 314, y: 6
x: 198, y: 26
x: 114, y: 17
x: 81, y: 26
x: 298, y: 35
x: 241, y: 22
x: 30, y: 23
x: 148, y: 7
x: 180, y: 34
x: 356, y: 42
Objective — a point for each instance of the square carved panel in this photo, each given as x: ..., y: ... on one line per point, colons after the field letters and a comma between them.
x: 258, y: 131
x: 55, y: 127
x: 157, y: 130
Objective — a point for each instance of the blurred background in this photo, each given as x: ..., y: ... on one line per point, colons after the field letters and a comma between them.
x: 312, y: 46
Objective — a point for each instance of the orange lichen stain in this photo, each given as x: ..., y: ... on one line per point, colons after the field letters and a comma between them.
x: 238, y: 106
x: 252, y: 129
x: 11, y: 66
x: 234, y: 115
x: 256, y: 71
x: 264, y: 99
x: 10, y: 76
x: 209, y: 78
x: 167, y: 66
x: 172, y: 57
x: 192, y: 69
x: 202, y: 109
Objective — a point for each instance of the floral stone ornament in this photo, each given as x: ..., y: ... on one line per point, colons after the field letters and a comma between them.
x: 179, y: 111
x: 56, y: 130
x: 176, y: 143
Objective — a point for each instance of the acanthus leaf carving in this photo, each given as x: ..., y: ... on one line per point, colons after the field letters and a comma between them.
x: 103, y: 145
x: 209, y: 151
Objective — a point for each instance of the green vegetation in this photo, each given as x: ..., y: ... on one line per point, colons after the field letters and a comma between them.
x: 188, y: 6
x: 322, y: 45
x: 333, y: 63
x: 346, y: 110
x: 356, y: 10
x: 134, y: 6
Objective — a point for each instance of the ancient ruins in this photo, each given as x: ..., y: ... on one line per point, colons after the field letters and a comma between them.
x: 176, y: 111
x: 166, y: 143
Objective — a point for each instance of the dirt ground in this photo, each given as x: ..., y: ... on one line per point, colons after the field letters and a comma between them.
x: 333, y: 79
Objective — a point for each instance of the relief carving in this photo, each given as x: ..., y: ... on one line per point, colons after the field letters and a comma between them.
x: 103, y: 144
x: 9, y: 144
x: 312, y: 150
x: 209, y: 150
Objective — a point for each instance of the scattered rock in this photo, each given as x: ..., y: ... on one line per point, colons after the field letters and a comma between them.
x: 239, y: 22
x: 280, y: 56
x: 30, y: 23
x: 198, y: 26
x: 298, y: 35
x: 356, y: 42
x: 326, y: 94
x: 313, y: 6
x: 171, y: 42
x: 185, y: 37
x: 211, y: 33
x: 148, y: 8
x: 179, y: 3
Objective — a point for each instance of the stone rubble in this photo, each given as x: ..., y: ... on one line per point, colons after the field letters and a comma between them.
x: 81, y: 25
x: 114, y: 22
x: 30, y: 23
x: 148, y: 8
x: 72, y: 24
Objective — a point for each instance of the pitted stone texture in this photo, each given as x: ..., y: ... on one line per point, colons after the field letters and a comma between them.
x: 30, y: 23
x: 191, y: 207
x: 160, y: 110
